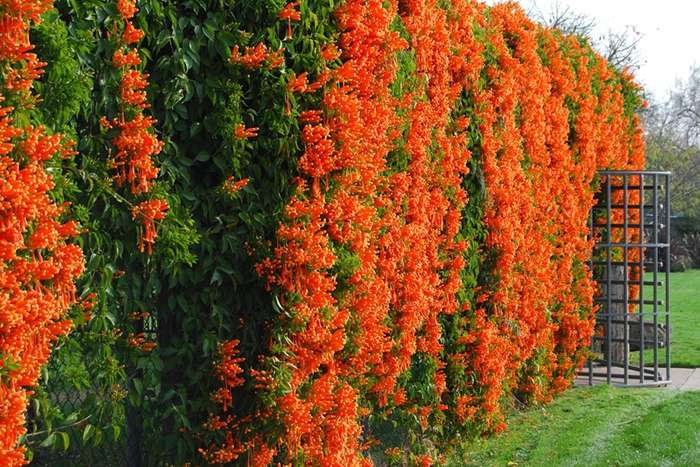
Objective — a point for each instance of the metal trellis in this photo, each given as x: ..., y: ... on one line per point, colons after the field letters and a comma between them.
x: 630, y: 263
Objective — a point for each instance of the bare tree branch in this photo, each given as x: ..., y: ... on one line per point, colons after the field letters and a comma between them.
x: 564, y: 18
x: 620, y: 48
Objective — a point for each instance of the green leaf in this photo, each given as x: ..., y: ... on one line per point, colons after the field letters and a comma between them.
x: 72, y: 418
x: 115, y: 432
x: 49, y: 441
x: 138, y: 387
x: 88, y: 431
x: 64, y: 439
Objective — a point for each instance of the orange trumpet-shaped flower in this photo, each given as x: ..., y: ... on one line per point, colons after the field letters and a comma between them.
x: 147, y: 212
x: 232, y: 186
x: 241, y: 132
x: 290, y: 13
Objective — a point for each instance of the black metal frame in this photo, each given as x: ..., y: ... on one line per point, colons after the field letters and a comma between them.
x: 642, y: 199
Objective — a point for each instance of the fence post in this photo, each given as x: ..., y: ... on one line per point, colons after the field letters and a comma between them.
x: 134, y: 435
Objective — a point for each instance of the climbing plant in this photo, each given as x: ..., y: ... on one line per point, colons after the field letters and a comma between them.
x: 315, y: 232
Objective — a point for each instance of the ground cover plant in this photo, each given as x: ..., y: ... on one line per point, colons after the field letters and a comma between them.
x: 314, y: 232
x: 597, y: 426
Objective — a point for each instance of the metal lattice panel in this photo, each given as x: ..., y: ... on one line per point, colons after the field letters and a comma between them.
x: 630, y: 263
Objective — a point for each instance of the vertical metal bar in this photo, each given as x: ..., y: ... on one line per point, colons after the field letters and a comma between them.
x: 668, y: 276
x: 627, y: 270
x: 641, y: 278
x: 134, y: 415
x: 655, y: 206
x: 591, y: 231
x: 134, y: 435
x: 608, y: 274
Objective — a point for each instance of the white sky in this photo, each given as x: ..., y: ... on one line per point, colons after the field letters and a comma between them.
x: 670, y: 42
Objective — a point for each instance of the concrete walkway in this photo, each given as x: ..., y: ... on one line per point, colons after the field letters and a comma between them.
x: 684, y: 379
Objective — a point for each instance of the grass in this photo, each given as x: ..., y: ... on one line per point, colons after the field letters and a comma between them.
x: 598, y: 426
x: 685, y: 320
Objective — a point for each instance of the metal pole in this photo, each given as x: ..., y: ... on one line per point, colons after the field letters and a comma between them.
x: 641, y: 278
x: 608, y: 327
x: 655, y: 206
x: 593, y: 339
x: 627, y: 271
x: 668, y: 276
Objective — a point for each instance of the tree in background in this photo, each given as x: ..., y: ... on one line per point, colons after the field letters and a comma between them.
x: 673, y: 143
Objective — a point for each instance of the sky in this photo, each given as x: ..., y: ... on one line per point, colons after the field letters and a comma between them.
x: 670, y: 34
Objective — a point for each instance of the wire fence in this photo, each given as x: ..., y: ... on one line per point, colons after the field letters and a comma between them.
x: 71, y: 423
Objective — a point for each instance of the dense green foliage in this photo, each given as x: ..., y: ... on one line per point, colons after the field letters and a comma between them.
x: 200, y: 280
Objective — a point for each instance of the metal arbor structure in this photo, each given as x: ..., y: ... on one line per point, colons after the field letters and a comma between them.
x: 630, y: 262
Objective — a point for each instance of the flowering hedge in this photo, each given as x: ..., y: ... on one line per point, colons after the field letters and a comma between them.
x: 396, y: 303
x: 368, y: 234
x: 37, y: 264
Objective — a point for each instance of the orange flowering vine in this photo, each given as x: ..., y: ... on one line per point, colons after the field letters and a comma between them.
x: 136, y: 142
x: 38, y: 265
x: 383, y: 185
x: 230, y: 375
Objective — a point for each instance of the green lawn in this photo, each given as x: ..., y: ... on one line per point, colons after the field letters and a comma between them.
x: 685, y: 319
x: 598, y: 426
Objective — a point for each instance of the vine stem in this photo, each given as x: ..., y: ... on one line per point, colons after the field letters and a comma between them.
x: 78, y: 422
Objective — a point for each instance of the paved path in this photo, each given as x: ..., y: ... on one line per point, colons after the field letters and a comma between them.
x: 684, y: 379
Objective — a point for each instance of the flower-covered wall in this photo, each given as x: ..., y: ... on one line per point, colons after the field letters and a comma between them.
x: 361, y: 225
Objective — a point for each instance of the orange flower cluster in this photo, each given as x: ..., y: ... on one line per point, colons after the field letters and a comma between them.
x: 232, y: 186
x: 371, y: 256
x: 290, y: 13
x: 229, y: 373
x: 254, y: 57
x: 241, y: 132
x: 135, y: 143
x: 147, y: 212
x: 139, y: 342
x: 37, y: 265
